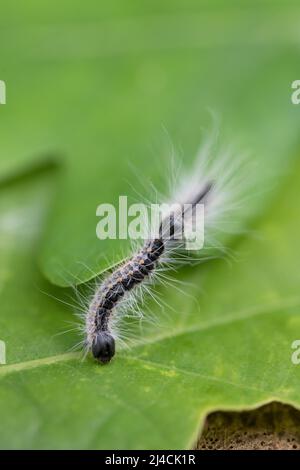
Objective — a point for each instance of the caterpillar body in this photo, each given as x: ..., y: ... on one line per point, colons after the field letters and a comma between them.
x: 123, y: 280
x: 213, y: 182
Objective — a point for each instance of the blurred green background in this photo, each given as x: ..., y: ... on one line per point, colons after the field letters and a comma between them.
x: 95, y: 90
x: 107, y: 87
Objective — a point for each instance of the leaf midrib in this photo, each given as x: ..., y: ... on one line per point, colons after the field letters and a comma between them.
x: 291, y: 302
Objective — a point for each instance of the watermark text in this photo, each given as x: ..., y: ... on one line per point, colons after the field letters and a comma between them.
x: 295, y: 97
x: 2, y: 353
x: 295, y: 357
x: 2, y: 92
x: 141, y: 222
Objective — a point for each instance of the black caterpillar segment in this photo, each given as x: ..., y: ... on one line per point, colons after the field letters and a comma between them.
x: 114, y: 289
x: 100, y: 336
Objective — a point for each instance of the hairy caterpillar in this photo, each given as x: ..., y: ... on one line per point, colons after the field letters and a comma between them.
x: 212, y: 182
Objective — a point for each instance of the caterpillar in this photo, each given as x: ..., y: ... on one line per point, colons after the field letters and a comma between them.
x: 213, y: 183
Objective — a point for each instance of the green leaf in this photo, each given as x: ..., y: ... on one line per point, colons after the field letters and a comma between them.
x: 233, y: 352
x: 95, y: 84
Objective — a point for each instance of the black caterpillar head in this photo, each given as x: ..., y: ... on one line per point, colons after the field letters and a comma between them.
x: 103, y: 347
